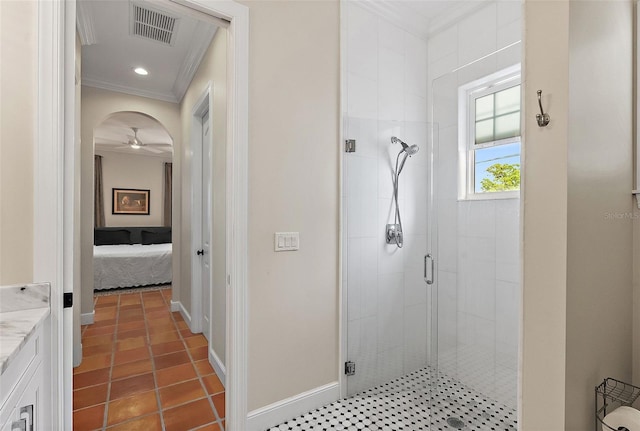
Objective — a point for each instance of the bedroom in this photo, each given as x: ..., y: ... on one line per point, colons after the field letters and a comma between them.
x: 176, y: 342
x: 132, y: 245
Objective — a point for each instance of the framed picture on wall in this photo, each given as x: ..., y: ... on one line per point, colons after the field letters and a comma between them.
x: 130, y: 201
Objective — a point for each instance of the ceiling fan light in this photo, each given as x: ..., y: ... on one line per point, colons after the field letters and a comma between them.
x: 135, y: 145
x: 141, y: 71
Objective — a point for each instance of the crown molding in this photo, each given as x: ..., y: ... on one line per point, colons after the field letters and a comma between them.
x: 85, y: 24
x: 203, y: 33
x: 451, y: 17
x: 406, y: 18
x: 96, y: 83
x: 399, y: 15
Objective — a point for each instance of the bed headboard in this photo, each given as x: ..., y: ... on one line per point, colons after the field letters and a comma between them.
x: 131, y: 235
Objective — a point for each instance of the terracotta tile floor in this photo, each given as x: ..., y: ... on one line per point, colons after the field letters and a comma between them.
x: 143, y: 369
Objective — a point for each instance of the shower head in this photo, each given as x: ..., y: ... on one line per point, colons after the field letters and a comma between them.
x: 410, y: 150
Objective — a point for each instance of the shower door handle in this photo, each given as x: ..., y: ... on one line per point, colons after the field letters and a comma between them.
x: 429, y: 279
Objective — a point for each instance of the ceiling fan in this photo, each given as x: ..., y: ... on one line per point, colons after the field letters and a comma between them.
x: 135, y: 143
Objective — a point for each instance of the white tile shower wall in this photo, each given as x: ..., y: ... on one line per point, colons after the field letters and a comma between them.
x: 386, y: 294
x: 478, y: 252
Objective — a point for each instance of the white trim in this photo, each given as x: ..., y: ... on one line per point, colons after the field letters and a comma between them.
x: 636, y: 192
x: 453, y: 16
x: 96, y: 83
x: 202, y: 105
x: 175, y: 306
x: 88, y: 318
x: 406, y: 17
x: 342, y: 281
x: 218, y: 366
x: 204, y: 35
x: 277, y: 413
x: 48, y: 194
x: 237, y: 193
x: 85, y: 24
x: 50, y: 247
x: 467, y: 93
x: 399, y: 15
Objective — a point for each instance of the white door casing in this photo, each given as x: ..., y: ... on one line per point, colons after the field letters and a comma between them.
x: 202, y: 187
x: 207, y: 187
x: 54, y: 195
x: 201, y: 212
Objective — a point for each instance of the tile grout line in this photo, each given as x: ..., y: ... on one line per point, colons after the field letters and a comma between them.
x: 114, y: 344
x: 204, y: 387
x: 153, y: 364
x: 148, y: 344
x: 217, y: 420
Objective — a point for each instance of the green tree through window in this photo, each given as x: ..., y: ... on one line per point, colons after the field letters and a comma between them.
x: 505, y: 177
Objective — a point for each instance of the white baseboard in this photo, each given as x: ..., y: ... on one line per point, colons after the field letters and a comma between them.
x: 218, y: 367
x: 177, y: 306
x: 277, y: 413
x: 88, y: 318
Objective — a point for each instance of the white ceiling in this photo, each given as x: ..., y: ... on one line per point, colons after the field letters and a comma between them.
x: 423, y: 17
x: 434, y: 9
x: 110, y: 52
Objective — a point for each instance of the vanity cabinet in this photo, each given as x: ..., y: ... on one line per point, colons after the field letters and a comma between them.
x: 21, y: 388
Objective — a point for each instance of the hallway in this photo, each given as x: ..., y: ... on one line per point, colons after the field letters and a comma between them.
x: 143, y: 369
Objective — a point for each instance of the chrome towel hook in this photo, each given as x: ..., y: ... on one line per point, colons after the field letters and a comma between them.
x: 543, y: 119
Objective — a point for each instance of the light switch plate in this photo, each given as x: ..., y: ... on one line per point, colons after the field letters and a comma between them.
x: 286, y: 241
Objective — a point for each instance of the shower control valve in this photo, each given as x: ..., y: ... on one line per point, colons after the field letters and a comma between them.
x: 394, y: 234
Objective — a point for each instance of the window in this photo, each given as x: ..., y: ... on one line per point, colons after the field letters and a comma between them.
x: 489, y: 139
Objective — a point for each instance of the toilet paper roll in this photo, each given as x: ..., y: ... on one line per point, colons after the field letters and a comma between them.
x: 623, y: 418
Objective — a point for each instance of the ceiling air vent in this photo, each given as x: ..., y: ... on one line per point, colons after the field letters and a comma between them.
x: 153, y: 25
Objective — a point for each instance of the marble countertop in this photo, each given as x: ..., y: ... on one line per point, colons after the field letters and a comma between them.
x: 22, y: 309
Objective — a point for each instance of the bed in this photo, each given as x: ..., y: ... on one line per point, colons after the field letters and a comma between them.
x: 131, y: 257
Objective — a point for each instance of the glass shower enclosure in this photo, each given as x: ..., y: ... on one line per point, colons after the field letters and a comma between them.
x: 431, y: 335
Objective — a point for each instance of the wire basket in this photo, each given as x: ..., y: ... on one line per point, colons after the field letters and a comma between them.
x: 611, y: 394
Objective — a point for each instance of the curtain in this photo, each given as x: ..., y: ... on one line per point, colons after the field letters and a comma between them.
x: 98, y: 193
x: 168, y: 174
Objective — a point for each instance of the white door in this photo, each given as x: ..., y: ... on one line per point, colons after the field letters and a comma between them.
x: 206, y: 224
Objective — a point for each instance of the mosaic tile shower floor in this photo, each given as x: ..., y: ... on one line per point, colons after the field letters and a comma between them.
x: 403, y: 405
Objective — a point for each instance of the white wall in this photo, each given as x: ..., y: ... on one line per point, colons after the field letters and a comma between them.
x: 77, y: 207
x: 293, y: 186
x: 577, y: 170
x: 18, y: 86
x: 477, y: 248
x: 133, y: 171
x: 600, y: 169
x: 97, y: 105
x: 544, y: 207
x: 212, y: 70
x: 386, y: 295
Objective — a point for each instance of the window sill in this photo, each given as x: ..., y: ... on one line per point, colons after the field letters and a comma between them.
x: 491, y: 196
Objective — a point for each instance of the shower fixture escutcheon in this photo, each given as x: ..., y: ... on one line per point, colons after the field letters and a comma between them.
x: 394, y: 234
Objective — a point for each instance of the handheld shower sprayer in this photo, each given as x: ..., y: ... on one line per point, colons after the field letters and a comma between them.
x: 394, y: 231
x: 410, y: 150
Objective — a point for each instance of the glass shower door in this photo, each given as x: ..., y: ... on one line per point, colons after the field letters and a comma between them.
x: 475, y: 302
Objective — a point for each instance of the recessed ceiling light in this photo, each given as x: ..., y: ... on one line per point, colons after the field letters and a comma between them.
x: 141, y: 71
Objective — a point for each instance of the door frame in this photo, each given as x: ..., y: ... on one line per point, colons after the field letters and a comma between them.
x: 202, y: 105
x: 55, y: 168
